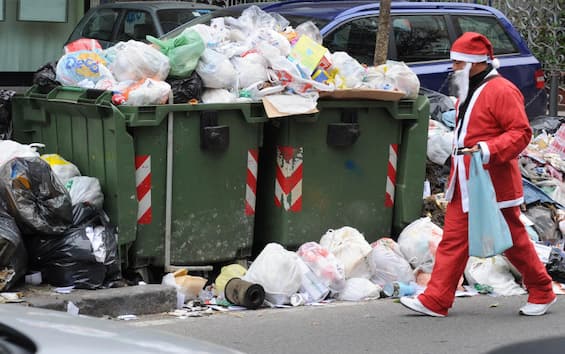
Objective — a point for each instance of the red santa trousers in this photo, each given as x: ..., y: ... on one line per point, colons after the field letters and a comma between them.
x: 453, y: 253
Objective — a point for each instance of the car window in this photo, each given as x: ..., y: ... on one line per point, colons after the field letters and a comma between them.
x: 491, y: 28
x: 172, y: 18
x: 356, y: 37
x: 420, y: 38
x: 100, y: 25
x: 136, y: 25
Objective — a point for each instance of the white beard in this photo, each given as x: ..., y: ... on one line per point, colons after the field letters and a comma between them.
x: 460, y: 82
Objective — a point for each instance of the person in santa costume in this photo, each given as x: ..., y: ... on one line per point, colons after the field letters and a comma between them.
x: 491, y: 118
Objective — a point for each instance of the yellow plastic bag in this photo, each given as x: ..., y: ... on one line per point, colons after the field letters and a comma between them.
x: 228, y: 272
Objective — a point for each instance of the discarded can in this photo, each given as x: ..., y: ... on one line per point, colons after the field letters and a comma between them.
x: 299, y: 299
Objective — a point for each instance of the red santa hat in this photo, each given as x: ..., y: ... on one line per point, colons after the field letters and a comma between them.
x: 473, y: 47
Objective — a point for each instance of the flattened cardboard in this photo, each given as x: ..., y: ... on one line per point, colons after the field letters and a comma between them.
x: 362, y: 94
x: 272, y: 112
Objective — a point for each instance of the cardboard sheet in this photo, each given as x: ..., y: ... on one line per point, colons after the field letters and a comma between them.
x: 362, y: 94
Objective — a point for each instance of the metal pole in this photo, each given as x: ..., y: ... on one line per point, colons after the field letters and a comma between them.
x: 553, y: 93
x: 169, y: 187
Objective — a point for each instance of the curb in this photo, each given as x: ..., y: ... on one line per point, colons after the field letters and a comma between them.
x: 131, y: 300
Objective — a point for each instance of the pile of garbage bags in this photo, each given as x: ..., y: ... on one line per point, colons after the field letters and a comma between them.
x: 52, y: 222
x: 241, y: 59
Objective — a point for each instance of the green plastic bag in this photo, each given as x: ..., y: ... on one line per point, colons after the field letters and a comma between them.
x: 183, y: 52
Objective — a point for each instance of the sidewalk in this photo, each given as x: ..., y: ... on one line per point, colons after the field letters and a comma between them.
x: 130, y: 300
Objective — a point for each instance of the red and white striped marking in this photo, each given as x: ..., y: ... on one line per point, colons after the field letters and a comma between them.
x: 251, y: 184
x: 391, y: 175
x: 288, y: 181
x: 143, y: 186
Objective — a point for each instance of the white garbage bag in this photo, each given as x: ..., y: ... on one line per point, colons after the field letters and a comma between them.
x: 349, y: 246
x: 418, y: 243
x: 62, y: 168
x: 84, y: 189
x: 324, y: 264
x: 388, y: 264
x: 278, y: 271
x: 357, y: 289
x: 10, y: 149
x: 133, y: 60
x: 494, y: 271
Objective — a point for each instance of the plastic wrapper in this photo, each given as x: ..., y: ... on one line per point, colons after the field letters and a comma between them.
x: 83, y: 189
x: 85, y: 257
x: 323, y: 264
x: 349, y: 246
x: 83, y: 44
x: 187, y: 89
x: 309, y: 29
x: 183, y: 52
x: 82, y: 68
x: 349, y: 69
x: 6, y: 113
x: 62, y: 168
x: 35, y: 197
x: 46, y: 78
x: 136, y: 61
x: 278, y: 271
x: 387, y: 263
x: 216, y: 70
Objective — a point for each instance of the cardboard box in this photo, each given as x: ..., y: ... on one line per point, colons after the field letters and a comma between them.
x: 362, y: 94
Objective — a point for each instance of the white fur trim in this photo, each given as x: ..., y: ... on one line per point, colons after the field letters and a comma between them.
x: 510, y: 203
x: 469, y: 58
x: 496, y: 63
x: 485, y: 152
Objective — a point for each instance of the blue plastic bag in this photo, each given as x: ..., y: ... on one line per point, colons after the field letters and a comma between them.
x: 489, y: 234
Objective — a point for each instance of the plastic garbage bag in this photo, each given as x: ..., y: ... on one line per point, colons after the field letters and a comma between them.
x: 556, y: 265
x: 218, y: 96
x: 85, y: 256
x: 82, y: 68
x: 439, y: 104
x: 10, y: 149
x: 251, y: 68
x: 495, y: 272
x: 133, y: 60
x: 83, y: 189
x: 348, y: 245
x: 62, y: 168
x: 357, y: 289
x: 388, y: 264
x: 13, y: 255
x: 228, y: 272
x: 278, y: 271
x: 312, y: 285
x: 543, y: 217
x: 309, y: 29
x: 6, y: 114
x: 186, y: 89
x: 35, y: 197
x: 82, y: 44
x: 324, y: 265
x: 394, y: 75
x: 147, y: 92
x: 183, y: 52
x: 46, y: 78
x: 216, y: 70
x: 353, y: 73
x: 418, y: 242
x: 440, y: 140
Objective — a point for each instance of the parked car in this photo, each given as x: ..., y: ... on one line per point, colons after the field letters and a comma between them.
x: 421, y: 34
x: 29, y: 330
x: 114, y: 22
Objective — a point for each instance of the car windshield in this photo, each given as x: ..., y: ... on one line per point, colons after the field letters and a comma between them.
x: 294, y: 20
x: 172, y: 18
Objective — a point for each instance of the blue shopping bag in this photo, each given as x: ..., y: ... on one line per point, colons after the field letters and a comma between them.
x: 489, y: 234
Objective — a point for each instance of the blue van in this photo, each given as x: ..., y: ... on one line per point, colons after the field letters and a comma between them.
x: 421, y: 34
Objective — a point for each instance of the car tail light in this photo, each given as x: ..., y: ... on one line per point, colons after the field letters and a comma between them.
x: 540, y: 80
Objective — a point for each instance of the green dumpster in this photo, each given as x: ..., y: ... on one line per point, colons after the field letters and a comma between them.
x: 354, y: 163
x: 182, y: 178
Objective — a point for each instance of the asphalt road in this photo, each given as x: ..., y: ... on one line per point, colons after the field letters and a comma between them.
x: 475, y: 325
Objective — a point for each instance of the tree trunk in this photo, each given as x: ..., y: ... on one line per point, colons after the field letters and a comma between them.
x: 381, y: 45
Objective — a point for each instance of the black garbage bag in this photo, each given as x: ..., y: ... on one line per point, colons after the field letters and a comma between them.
x: 439, y: 103
x: 187, y: 88
x: 545, y: 224
x: 556, y: 265
x: 45, y: 78
x: 13, y: 255
x: 85, y: 256
x: 6, y: 114
x: 35, y: 197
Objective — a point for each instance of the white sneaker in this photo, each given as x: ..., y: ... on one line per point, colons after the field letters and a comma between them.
x: 415, y: 305
x: 530, y: 309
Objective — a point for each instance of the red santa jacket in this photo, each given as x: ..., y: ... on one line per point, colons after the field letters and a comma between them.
x: 496, y: 120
